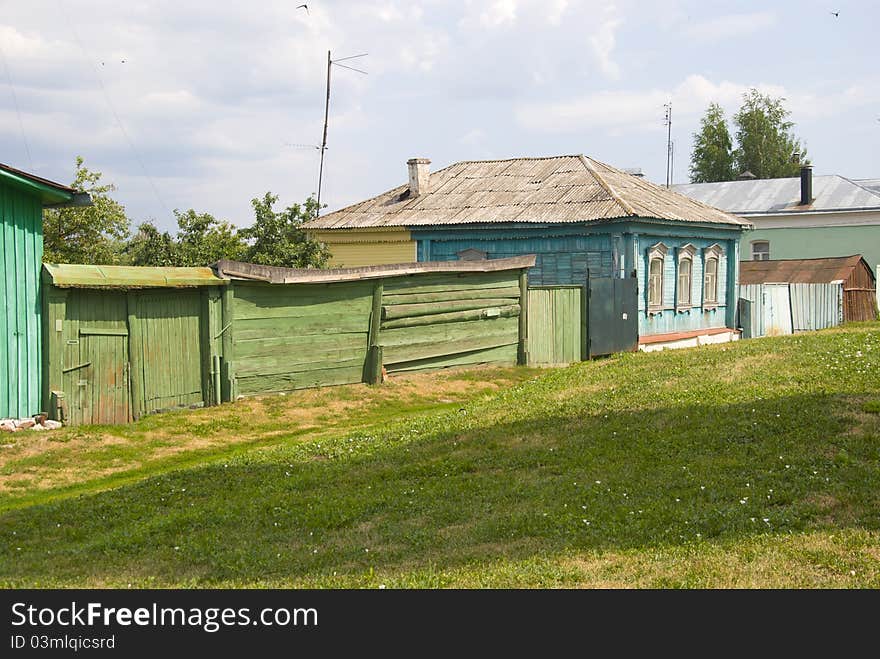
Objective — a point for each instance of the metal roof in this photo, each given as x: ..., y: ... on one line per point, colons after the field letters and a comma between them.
x: 776, y: 196
x: 117, y: 276
x: 873, y: 184
x: 50, y: 192
x: 560, y: 189
x: 798, y: 271
x: 275, y: 275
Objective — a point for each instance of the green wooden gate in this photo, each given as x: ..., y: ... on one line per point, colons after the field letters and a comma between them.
x: 167, y: 350
x: 556, y: 324
x: 95, y: 372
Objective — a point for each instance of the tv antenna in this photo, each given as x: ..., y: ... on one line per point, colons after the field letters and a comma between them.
x: 667, y: 120
x: 323, y: 147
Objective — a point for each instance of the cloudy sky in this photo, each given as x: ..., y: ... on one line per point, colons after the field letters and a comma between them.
x: 205, y: 105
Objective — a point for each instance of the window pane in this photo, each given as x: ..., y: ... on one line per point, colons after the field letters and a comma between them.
x: 710, y: 292
x: 655, y: 283
x: 684, y: 281
x: 761, y: 250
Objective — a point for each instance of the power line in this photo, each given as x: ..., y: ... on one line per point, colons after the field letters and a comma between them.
x: 112, y: 108
x: 17, y: 109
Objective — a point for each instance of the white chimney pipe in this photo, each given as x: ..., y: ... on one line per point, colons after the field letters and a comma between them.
x: 419, y: 176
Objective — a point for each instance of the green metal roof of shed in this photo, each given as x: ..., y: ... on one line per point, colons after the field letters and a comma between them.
x: 50, y: 192
x: 67, y: 275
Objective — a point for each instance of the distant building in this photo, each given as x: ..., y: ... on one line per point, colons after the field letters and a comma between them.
x: 801, y: 218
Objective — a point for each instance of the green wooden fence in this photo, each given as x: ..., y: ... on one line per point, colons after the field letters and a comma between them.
x: 124, y: 342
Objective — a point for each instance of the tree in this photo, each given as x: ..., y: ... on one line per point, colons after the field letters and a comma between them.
x: 766, y: 145
x: 150, y: 247
x: 277, y: 237
x: 91, y: 234
x: 712, y: 157
x: 203, y: 240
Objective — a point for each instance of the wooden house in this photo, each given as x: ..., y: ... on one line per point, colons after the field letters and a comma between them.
x: 620, y: 261
x: 23, y: 197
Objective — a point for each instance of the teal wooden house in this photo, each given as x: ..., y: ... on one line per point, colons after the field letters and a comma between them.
x: 23, y: 197
x: 620, y: 261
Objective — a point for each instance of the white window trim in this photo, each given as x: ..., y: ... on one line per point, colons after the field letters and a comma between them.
x: 685, y: 252
x: 712, y: 252
x: 752, y: 249
x: 658, y: 251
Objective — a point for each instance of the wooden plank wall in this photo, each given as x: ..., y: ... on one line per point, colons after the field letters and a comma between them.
x: 285, y: 337
x: 435, y: 321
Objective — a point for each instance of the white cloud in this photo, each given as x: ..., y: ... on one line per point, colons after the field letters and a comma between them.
x: 638, y: 109
x: 499, y: 13
x: 602, y: 43
x: 731, y: 26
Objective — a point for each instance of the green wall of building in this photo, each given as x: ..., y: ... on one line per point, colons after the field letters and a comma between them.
x: 21, y: 254
x: 795, y: 243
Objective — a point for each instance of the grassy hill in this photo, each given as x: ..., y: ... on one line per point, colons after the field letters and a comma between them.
x: 754, y: 464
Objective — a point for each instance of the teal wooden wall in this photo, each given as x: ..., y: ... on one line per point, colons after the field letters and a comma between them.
x: 567, y: 254
x: 21, y: 255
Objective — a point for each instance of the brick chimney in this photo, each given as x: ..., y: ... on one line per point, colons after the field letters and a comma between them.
x: 419, y: 176
x: 806, y: 185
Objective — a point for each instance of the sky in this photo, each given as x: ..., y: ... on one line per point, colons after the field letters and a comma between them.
x: 206, y: 105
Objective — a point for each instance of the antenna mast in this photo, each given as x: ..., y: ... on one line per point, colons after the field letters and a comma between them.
x: 668, y: 120
x: 323, y: 147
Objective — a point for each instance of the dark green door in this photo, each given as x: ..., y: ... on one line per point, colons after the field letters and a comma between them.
x: 612, y: 317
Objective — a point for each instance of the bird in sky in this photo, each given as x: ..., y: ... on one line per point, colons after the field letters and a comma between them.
x: 306, y: 7
x: 836, y: 14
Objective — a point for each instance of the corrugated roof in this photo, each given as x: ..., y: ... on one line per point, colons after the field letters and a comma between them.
x: 116, y: 276
x: 798, y: 271
x: 276, y: 275
x: 560, y: 189
x: 774, y: 196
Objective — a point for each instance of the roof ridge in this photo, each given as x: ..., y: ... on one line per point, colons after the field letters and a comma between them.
x: 859, y: 185
x: 605, y: 184
x: 460, y: 162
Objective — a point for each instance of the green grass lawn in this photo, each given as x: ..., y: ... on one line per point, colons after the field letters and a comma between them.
x: 754, y: 464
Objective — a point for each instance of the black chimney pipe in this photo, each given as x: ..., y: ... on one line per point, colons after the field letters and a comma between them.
x: 806, y: 185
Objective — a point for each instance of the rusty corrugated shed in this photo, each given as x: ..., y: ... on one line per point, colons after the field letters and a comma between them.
x: 561, y: 189
x: 799, y: 271
x: 116, y: 276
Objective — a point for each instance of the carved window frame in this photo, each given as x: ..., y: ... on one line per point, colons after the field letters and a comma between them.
x: 657, y: 253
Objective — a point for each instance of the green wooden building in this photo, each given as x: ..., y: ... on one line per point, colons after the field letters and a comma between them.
x: 122, y: 342
x: 23, y: 197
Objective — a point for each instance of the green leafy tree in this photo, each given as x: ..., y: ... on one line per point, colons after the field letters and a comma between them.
x: 277, y: 237
x: 712, y: 157
x: 203, y: 239
x: 765, y: 144
x: 149, y: 246
x: 93, y: 234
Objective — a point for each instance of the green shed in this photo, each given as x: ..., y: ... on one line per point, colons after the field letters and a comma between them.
x: 23, y: 197
x: 121, y: 342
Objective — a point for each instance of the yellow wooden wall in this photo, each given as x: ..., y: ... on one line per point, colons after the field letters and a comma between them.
x: 351, y: 248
